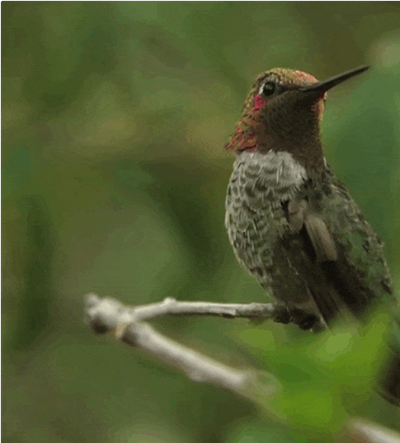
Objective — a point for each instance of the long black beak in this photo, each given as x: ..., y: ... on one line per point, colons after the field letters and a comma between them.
x: 317, y: 90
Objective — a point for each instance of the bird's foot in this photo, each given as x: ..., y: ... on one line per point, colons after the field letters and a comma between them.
x: 281, y: 314
x: 304, y: 320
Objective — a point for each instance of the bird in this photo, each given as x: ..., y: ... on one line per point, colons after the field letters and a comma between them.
x: 291, y: 222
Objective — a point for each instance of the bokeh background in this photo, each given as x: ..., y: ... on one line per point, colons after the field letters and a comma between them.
x: 114, y: 118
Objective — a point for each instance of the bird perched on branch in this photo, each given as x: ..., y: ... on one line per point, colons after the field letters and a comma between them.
x: 292, y: 224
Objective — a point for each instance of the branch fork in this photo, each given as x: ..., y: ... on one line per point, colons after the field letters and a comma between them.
x: 131, y: 327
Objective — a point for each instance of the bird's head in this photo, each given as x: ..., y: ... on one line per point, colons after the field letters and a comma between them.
x: 283, y: 112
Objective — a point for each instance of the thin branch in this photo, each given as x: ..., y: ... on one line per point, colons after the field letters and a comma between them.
x: 170, y: 306
x: 107, y: 314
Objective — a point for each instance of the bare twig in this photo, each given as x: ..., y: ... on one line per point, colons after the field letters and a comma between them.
x: 170, y: 306
x: 107, y: 314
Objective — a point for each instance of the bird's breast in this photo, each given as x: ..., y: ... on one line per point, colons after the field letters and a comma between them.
x: 255, y: 219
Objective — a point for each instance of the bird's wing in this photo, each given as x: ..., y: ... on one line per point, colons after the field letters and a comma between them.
x: 343, y: 248
x: 322, y: 255
x: 323, y: 243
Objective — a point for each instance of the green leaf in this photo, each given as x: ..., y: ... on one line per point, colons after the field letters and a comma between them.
x: 324, y: 378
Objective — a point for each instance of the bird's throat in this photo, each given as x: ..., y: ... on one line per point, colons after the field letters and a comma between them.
x: 253, y: 136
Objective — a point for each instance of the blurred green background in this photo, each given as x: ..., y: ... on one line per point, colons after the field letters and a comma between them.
x: 114, y: 119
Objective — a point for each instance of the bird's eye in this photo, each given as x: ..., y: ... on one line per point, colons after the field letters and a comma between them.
x: 268, y: 88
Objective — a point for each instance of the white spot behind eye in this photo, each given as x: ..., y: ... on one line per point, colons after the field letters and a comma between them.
x: 270, y: 83
x: 261, y: 90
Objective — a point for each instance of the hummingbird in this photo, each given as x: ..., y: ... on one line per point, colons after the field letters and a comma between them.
x: 292, y: 224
